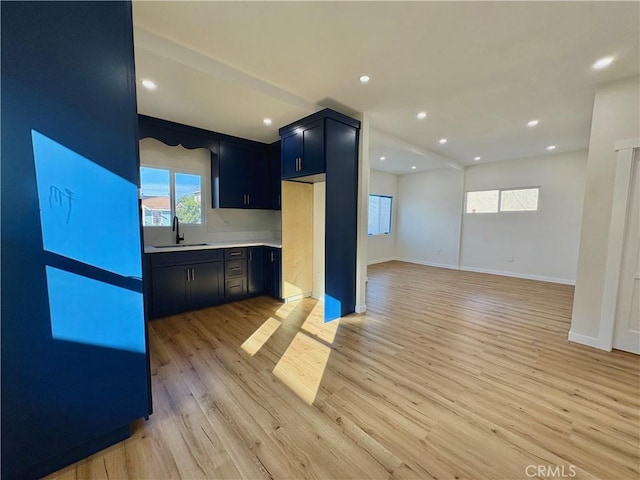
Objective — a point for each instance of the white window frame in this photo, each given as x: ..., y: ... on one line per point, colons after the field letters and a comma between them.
x: 499, y: 210
x: 172, y: 192
x: 390, y: 215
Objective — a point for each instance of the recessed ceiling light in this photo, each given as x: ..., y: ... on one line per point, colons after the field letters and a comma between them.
x: 413, y: 167
x: 149, y: 84
x: 383, y: 158
x: 421, y: 115
x: 603, y: 63
x: 532, y: 123
x: 477, y: 159
x: 442, y: 141
x: 551, y: 147
x: 267, y: 121
x: 365, y: 78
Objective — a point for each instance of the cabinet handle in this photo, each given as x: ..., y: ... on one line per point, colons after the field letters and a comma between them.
x: 248, y: 199
x: 271, y: 257
x: 193, y: 274
x: 235, y: 254
x: 235, y: 268
x: 301, y: 164
x: 250, y: 255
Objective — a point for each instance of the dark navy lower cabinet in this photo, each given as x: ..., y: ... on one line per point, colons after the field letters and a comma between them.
x: 183, y: 281
x: 255, y: 270
x: 235, y: 273
x: 169, y: 290
x: 75, y: 367
x: 273, y: 271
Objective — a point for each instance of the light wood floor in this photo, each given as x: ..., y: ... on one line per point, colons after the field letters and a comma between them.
x: 448, y: 375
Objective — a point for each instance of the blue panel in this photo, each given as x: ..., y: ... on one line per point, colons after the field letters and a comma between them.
x: 87, y: 311
x: 87, y: 213
x: 332, y: 308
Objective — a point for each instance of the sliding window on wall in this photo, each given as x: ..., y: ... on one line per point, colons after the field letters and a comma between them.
x: 379, y: 215
x: 166, y: 193
x: 503, y: 200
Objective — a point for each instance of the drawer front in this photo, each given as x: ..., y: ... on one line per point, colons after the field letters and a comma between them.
x: 184, y: 258
x: 235, y: 268
x: 235, y: 287
x: 234, y: 253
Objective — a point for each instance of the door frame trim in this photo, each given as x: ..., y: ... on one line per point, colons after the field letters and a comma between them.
x: 628, y: 153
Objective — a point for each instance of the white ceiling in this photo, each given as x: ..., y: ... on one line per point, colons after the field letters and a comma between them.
x: 480, y: 69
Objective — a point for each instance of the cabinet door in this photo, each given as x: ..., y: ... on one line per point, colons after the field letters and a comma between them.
x: 169, y: 287
x: 255, y: 281
x: 258, y: 178
x: 206, y: 285
x: 313, y: 149
x: 275, y: 177
x: 291, y: 152
x: 272, y: 275
x: 235, y: 161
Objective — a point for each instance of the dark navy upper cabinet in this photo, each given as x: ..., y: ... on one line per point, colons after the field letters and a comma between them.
x: 275, y: 182
x: 303, y: 151
x: 74, y: 368
x: 241, y: 169
x: 243, y: 173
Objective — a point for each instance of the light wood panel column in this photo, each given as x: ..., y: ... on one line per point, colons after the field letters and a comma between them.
x: 297, y: 239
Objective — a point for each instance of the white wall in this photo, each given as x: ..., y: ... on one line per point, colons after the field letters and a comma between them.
x: 429, y: 210
x: 221, y: 223
x: 615, y: 118
x: 381, y: 248
x: 543, y: 244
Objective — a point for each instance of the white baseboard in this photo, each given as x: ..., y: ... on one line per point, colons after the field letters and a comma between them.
x: 381, y: 260
x: 586, y: 340
x: 526, y: 276
x: 428, y: 264
x: 361, y: 308
x: 293, y: 298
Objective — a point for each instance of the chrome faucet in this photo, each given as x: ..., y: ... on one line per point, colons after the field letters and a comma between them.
x: 176, y: 228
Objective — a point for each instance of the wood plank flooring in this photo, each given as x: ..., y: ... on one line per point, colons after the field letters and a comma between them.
x: 448, y: 375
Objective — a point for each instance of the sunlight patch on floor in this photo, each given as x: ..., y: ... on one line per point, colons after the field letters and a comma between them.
x: 314, y: 324
x: 285, y: 310
x: 255, y: 342
x: 302, y: 365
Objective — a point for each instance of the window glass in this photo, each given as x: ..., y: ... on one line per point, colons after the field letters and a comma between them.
x: 520, y: 200
x: 188, y: 198
x: 155, y: 188
x: 482, y: 202
x: 160, y: 202
x: 379, y: 215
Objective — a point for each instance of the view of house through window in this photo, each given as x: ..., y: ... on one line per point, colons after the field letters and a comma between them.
x: 512, y: 200
x: 379, y: 215
x: 166, y: 193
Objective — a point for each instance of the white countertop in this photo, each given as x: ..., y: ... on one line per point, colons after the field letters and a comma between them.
x: 186, y: 247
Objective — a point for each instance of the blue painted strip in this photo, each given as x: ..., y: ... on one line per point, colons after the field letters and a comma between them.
x: 87, y: 213
x: 88, y: 311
